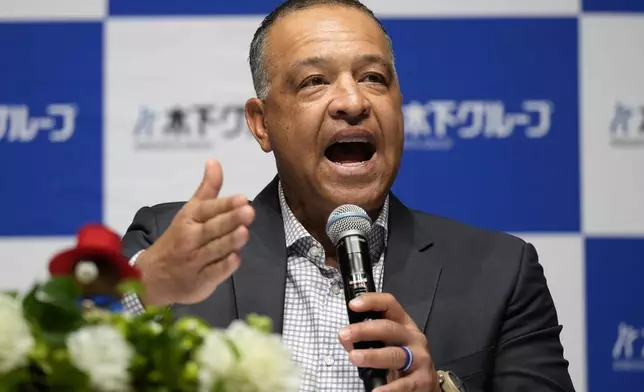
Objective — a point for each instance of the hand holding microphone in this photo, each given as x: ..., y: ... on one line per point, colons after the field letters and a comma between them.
x: 382, y: 339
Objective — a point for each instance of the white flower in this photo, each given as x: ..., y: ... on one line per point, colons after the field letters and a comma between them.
x: 104, y: 355
x: 264, y: 361
x: 16, y: 341
x: 214, y: 358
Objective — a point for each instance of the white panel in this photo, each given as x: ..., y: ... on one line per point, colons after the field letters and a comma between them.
x: 419, y: 9
x: 52, y: 9
x: 153, y: 66
x: 612, y: 96
x: 24, y: 261
x: 562, y: 258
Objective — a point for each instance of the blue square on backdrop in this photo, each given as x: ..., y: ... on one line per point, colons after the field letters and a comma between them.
x: 491, y: 120
x: 191, y: 7
x: 613, y: 5
x: 50, y: 127
x: 615, y: 314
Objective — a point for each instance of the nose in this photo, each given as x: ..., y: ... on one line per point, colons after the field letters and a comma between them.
x: 349, y: 102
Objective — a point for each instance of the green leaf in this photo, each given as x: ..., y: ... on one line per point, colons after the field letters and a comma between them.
x: 187, y: 335
x: 190, y: 373
x: 131, y: 286
x: 220, y: 386
x: 191, y: 325
x: 53, y: 307
x: 60, y: 290
x: 40, y: 354
x: 64, y: 375
x: 156, y: 363
x: 260, y: 323
x: 11, y: 381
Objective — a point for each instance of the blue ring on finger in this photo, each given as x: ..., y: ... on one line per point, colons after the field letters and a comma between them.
x: 409, y: 359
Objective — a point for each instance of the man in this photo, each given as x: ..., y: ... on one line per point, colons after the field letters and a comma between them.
x: 328, y: 106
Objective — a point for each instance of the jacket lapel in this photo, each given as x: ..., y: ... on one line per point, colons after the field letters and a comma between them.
x: 259, y: 283
x: 411, y: 271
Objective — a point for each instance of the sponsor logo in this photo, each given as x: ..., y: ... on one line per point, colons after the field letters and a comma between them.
x: 441, y: 124
x: 628, y: 350
x: 200, y: 126
x: 18, y: 125
x: 627, y: 125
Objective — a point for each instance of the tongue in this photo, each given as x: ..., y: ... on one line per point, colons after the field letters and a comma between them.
x: 344, y: 153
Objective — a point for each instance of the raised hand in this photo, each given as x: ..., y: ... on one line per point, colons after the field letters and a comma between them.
x: 199, y: 250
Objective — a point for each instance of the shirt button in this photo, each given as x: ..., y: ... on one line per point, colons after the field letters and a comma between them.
x: 335, y: 289
x: 314, y: 252
x: 328, y: 360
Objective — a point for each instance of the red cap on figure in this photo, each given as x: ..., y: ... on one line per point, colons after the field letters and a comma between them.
x: 94, y: 241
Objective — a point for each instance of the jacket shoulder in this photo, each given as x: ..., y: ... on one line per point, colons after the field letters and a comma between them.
x: 164, y: 213
x: 165, y: 209
x: 148, y: 224
x: 470, y: 241
x: 460, y: 228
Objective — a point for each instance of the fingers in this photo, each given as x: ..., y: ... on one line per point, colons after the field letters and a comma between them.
x: 219, y: 271
x: 392, y: 358
x: 205, y: 210
x: 387, y: 331
x: 395, y: 329
x: 225, y: 223
x: 383, y: 303
x: 223, y: 246
x: 211, y: 183
x: 347, y: 344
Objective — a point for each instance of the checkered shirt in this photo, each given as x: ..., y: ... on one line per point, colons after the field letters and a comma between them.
x: 314, y: 305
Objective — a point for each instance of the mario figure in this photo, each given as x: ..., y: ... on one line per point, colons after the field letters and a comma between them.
x: 97, y: 266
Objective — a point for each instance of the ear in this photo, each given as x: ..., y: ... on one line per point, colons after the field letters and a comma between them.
x: 256, y: 120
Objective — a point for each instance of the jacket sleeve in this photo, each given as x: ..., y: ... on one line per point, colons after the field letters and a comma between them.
x: 529, y: 354
x: 141, y: 233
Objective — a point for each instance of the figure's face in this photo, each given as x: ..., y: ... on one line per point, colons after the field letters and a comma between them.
x: 103, y: 280
x: 333, y: 114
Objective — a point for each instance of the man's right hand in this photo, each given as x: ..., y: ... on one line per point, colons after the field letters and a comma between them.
x: 199, y: 250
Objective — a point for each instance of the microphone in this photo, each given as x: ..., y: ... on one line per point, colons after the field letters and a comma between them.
x: 347, y: 228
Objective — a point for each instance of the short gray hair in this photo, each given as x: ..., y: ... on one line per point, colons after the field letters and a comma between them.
x: 257, y: 59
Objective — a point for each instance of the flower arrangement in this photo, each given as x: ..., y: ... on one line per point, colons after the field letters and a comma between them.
x: 69, y: 334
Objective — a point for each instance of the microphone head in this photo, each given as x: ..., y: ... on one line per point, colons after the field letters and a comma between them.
x: 344, y: 218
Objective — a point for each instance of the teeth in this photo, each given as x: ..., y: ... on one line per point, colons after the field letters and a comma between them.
x: 352, y: 163
x: 357, y: 140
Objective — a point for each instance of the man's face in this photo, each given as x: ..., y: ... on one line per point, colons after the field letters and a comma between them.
x: 333, y: 113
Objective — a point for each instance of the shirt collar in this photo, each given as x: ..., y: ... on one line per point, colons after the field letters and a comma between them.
x: 294, y: 231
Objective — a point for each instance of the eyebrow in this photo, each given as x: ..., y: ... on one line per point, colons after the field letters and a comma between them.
x: 364, y: 59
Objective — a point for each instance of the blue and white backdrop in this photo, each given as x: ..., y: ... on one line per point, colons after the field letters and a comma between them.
x: 525, y: 116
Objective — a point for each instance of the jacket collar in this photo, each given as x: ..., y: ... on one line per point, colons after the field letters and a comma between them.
x: 411, y: 273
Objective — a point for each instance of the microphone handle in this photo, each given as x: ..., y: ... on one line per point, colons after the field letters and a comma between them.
x: 355, y: 266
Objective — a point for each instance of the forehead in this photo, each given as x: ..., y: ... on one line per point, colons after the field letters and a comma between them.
x: 334, y: 32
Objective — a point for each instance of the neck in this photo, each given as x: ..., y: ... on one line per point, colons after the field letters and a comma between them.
x: 311, y: 218
x: 314, y: 219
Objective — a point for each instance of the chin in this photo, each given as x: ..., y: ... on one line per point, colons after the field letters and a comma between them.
x: 368, y: 196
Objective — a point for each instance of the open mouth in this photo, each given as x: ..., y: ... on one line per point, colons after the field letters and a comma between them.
x: 346, y: 152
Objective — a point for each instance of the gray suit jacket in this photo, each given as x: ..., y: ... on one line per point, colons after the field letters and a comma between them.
x: 479, y: 296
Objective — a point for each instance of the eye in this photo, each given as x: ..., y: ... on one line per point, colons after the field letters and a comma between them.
x: 375, y: 78
x: 313, y: 81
